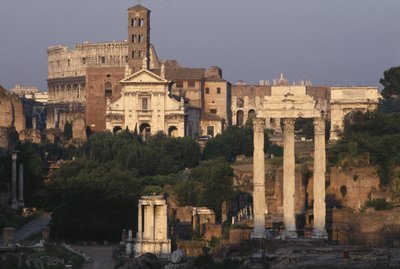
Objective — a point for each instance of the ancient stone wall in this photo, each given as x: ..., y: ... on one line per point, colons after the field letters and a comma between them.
x: 351, y: 187
x: 31, y: 135
x: 374, y: 228
x: 63, y: 62
x: 8, y: 140
x: 11, y: 111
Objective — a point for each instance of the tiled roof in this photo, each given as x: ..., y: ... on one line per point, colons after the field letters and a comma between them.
x: 138, y: 7
x: 211, y: 116
x: 182, y: 73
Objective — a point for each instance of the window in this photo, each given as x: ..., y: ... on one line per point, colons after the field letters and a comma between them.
x: 132, y: 22
x: 83, y: 60
x: 213, y: 110
x: 207, y: 90
x: 133, y: 38
x: 218, y: 90
x: 108, y: 89
x: 145, y: 103
x: 103, y: 60
x: 210, y: 131
x: 179, y: 84
x: 133, y: 54
x: 69, y: 62
x: 191, y: 83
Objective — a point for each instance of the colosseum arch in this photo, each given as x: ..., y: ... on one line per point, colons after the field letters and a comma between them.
x: 239, y: 118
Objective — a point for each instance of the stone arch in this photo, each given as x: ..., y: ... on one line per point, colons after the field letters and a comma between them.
x: 145, y: 130
x: 117, y: 129
x: 172, y: 131
x: 239, y: 118
x: 251, y: 114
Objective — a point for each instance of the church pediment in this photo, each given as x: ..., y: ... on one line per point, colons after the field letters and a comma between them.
x: 144, y: 77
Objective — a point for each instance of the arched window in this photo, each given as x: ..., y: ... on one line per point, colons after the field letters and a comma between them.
x: 132, y: 22
x: 133, y: 38
x: 108, y: 89
x: 239, y: 118
x: 139, y: 38
x: 133, y: 54
x: 141, y: 22
x: 252, y: 113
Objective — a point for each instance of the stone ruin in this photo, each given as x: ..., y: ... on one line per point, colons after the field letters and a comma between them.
x: 152, y: 235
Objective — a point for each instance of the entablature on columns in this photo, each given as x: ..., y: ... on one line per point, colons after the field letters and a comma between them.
x: 152, y: 200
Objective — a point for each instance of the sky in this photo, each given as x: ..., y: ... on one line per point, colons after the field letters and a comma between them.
x: 330, y: 42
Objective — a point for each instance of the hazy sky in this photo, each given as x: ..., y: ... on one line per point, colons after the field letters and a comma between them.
x: 330, y: 42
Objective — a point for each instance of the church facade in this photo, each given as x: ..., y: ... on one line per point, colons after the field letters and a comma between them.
x: 148, y: 106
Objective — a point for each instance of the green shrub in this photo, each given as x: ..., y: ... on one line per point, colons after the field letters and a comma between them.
x: 379, y: 204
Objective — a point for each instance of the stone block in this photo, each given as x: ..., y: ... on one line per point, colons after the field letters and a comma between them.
x: 8, y: 236
x: 212, y: 230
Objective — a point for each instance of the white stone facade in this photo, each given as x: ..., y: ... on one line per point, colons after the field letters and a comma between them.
x: 147, y: 106
x: 152, y: 235
x: 347, y: 99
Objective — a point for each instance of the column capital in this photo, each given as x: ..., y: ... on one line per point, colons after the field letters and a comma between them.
x: 319, y: 126
x: 258, y: 124
x: 288, y: 124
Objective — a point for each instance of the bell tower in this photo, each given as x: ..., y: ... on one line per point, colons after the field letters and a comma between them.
x: 138, y: 37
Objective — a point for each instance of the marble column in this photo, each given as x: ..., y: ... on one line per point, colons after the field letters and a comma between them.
x: 21, y: 202
x: 140, y: 222
x: 14, y: 203
x: 259, y: 179
x: 151, y: 223
x: 319, y: 179
x: 289, y: 178
x: 165, y: 222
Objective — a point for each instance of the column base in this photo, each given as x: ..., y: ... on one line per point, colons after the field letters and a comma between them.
x: 289, y: 234
x: 319, y: 234
x: 258, y: 233
x: 14, y: 205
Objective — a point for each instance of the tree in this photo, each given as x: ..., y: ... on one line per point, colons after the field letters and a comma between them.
x: 232, y: 142
x: 68, y: 130
x: 391, y: 82
x: 209, y: 184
